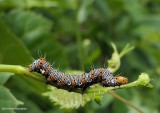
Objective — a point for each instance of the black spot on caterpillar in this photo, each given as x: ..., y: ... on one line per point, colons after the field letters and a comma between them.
x: 59, y: 79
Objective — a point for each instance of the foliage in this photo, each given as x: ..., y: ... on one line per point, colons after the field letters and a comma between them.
x: 7, y: 99
x: 76, y: 33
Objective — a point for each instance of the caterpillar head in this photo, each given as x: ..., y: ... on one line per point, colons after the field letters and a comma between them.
x: 121, y: 80
x: 36, y: 65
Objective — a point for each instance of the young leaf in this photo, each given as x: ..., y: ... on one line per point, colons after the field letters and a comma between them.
x: 115, y: 61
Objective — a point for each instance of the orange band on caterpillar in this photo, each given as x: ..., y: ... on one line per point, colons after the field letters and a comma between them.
x: 53, y: 76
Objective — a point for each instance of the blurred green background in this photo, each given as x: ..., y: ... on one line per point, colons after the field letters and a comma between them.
x: 74, y: 34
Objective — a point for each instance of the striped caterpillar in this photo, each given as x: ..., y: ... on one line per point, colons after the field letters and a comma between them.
x: 60, y: 80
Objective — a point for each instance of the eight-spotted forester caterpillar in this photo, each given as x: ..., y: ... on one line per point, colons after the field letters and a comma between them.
x: 59, y: 79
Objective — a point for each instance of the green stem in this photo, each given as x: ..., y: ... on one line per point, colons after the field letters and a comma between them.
x: 78, y: 37
x: 17, y: 69
x: 125, y: 101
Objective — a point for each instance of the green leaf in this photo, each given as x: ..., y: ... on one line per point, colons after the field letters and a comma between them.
x: 136, y: 10
x: 95, y: 92
x: 4, y: 77
x: 29, y: 104
x: 83, y: 13
x: 12, y: 50
x: 64, y: 98
x: 104, y: 8
x: 26, y: 4
x: 126, y: 49
x: 28, y: 25
x: 98, y: 99
x: 7, y: 100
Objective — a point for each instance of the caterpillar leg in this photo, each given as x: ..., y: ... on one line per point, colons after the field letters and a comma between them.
x: 47, y: 82
x: 83, y: 89
x: 71, y: 89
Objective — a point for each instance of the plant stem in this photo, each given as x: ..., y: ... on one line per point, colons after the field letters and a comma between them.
x: 125, y: 101
x: 78, y: 36
x: 17, y: 69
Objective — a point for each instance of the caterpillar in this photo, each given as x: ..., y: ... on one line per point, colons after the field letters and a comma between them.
x: 60, y: 80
